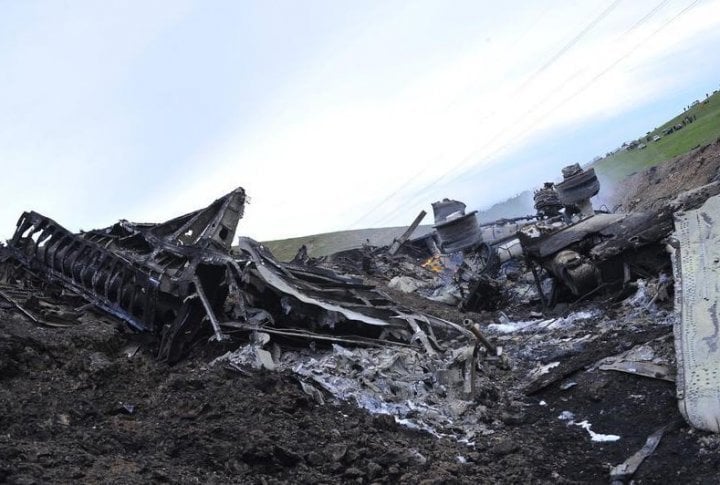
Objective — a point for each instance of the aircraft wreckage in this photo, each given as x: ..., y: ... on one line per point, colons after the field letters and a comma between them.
x: 182, y: 279
x: 572, y: 250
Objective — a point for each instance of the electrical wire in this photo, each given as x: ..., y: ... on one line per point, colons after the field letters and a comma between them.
x: 637, y: 24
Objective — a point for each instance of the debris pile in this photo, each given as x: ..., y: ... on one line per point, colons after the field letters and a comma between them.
x: 431, y: 392
x: 538, y: 341
x: 181, y: 278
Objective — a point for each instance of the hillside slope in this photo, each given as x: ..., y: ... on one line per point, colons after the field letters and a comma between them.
x: 332, y: 242
x: 705, y: 129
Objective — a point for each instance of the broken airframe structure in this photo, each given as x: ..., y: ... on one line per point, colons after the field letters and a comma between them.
x: 587, y: 251
x: 182, y: 278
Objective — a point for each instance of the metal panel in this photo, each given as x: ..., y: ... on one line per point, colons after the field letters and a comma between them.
x: 696, y: 265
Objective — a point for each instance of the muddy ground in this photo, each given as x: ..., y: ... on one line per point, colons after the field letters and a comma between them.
x: 75, y: 408
x: 80, y: 405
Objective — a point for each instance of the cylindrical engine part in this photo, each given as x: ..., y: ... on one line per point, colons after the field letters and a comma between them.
x: 578, y: 187
x: 444, y: 208
x: 575, y: 272
x: 459, y: 233
x: 509, y: 250
x: 571, y: 170
x: 547, y: 202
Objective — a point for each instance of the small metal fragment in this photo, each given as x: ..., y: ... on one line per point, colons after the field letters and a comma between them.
x: 624, y: 471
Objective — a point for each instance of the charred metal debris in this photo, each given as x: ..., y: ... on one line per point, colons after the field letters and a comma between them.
x: 584, y: 251
x: 566, y: 251
x: 183, y: 279
x: 572, y: 250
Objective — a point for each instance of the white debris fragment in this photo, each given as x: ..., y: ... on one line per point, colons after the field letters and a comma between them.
x: 513, y: 326
x: 250, y: 356
x: 567, y: 416
x: 542, y: 403
x: 597, y: 437
x: 641, y: 298
x: 541, y: 324
x: 543, y: 369
x: 570, y: 320
x: 421, y: 391
x: 567, y: 385
x: 461, y: 459
x: 586, y: 314
x: 264, y: 360
x: 313, y: 392
x: 418, y: 456
x: 640, y: 353
x: 448, y: 294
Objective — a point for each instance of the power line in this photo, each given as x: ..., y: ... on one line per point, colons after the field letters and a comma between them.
x: 569, y: 45
x: 417, y: 174
x: 605, y: 70
x: 637, y: 24
x: 556, y: 89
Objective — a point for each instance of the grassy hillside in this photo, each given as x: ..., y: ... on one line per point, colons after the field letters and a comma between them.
x: 331, y: 242
x: 705, y: 129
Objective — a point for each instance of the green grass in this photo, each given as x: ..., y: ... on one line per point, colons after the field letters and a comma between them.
x: 332, y: 242
x: 705, y: 129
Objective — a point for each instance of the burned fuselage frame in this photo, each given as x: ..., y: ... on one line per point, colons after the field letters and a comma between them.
x: 607, y: 250
x: 150, y: 275
x: 169, y: 278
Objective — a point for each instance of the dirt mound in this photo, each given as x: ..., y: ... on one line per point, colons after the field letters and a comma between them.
x: 75, y: 408
x: 657, y: 185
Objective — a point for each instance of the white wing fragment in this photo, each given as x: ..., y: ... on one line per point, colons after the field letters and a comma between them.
x: 696, y: 265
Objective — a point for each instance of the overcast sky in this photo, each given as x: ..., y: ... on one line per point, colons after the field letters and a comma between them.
x: 331, y: 114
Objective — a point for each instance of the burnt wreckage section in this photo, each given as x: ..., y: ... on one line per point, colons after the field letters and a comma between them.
x: 181, y: 278
x: 572, y: 250
x: 588, y: 250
